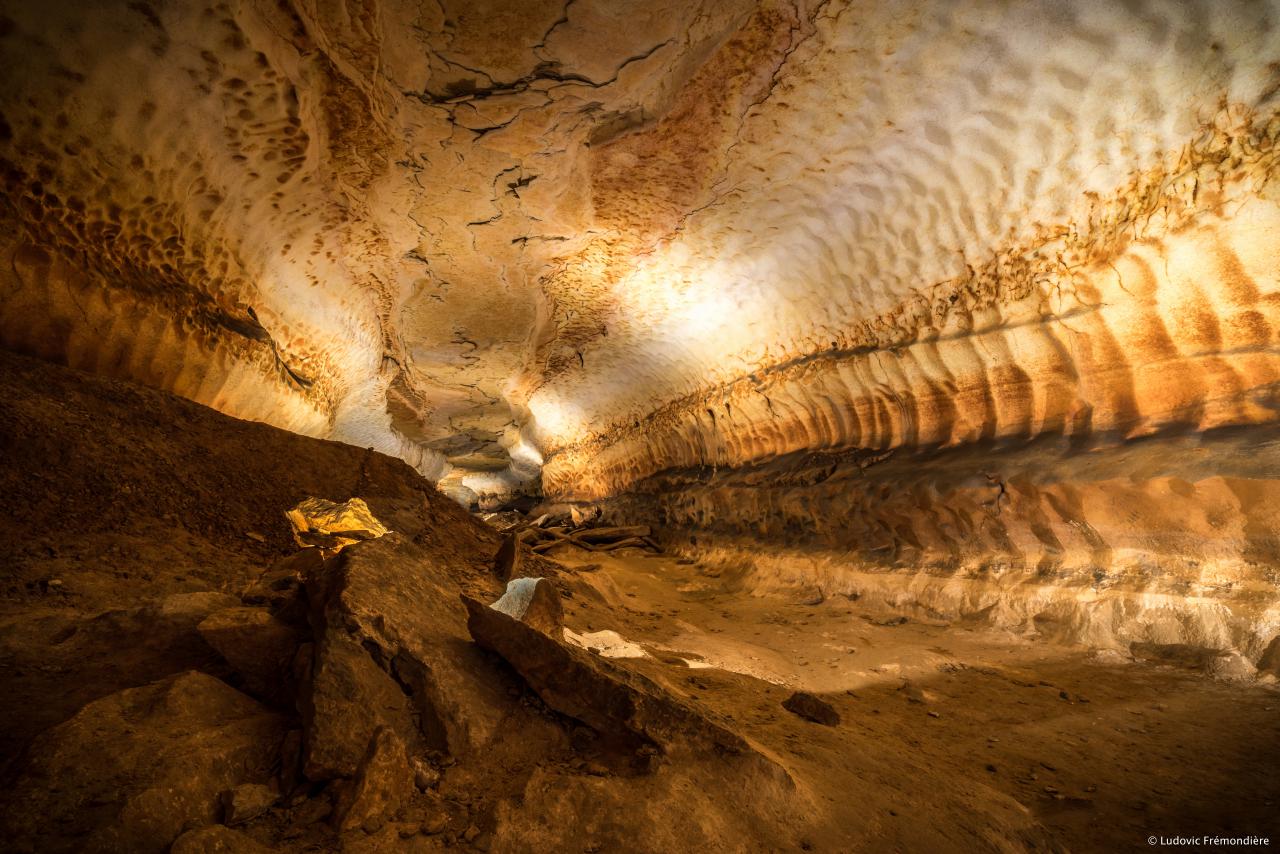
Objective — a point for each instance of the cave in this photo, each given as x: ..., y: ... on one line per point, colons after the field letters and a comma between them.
x: 640, y: 426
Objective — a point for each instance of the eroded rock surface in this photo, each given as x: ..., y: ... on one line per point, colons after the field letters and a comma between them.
x: 952, y: 310
x: 1105, y: 543
x: 589, y: 235
x: 926, y: 706
x: 345, y: 697
x: 331, y: 526
x: 389, y: 630
x: 246, y: 802
x: 383, y: 782
x: 534, y: 602
x: 593, y: 249
x: 594, y: 691
x: 130, y: 771
x: 812, y: 708
x: 258, y: 645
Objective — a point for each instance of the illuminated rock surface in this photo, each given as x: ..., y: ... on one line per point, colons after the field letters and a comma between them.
x: 141, y: 505
x: 332, y: 526
x: 963, y: 312
x: 625, y: 238
x: 598, y: 248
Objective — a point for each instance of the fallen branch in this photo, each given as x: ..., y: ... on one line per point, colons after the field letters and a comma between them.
x: 590, y: 539
x: 604, y: 535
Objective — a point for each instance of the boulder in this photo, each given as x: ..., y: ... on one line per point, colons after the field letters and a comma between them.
x: 132, y: 770
x: 216, y: 839
x: 347, y: 697
x: 281, y: 585
x: 332, y: 526
x: 392, y: 650
x: 593, y: 690
x: 61, y: 662
x: 157, y: 639
x: 534, y: 602
x: 424, y: 776
x: 384, y: 782
x: 259, y: 646
x: 1232, y: 667
x: 246, y: 802
x: 812, y: 708
x: 507, y: 562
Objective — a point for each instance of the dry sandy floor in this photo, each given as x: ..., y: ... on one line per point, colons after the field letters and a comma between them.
x: 1101, y: 752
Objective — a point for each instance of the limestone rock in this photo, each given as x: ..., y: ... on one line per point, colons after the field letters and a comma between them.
x: 534, y: 602
x: 246, y: 802
x: 259, y: 646
x: 130, y: 771
x: 509, y: 559
x: 392, y: 650
x: 183, y: 610
x: 597, y: 692
x: 332, y: 526
x: 435, y: 820
x: 279, y: 587
x: 1233, y: 667
x: 61, y: 662
x: 744, y: 379
x: 166, y: 631
x: 383, y: 783
x: 812, y: 708
x: 216, y: 839
x: 757, y: 328
x: 424, y: 776
x: 346, y: 699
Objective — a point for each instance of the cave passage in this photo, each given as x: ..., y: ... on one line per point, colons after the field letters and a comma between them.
x: 640, y: 425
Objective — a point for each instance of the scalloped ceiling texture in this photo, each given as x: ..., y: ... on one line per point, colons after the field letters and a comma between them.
x: 574, y: 245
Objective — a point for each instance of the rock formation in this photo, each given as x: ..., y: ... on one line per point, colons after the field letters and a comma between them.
x: 194, y: 680
x: 174, y: 746
x: 596, y: 251
x: 935, y: 314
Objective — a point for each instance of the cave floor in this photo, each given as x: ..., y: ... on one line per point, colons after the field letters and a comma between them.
x: 942, y: 722
x: 954, y: 737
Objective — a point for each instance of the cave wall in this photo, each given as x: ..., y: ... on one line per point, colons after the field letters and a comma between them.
x: 332, y: 217
x: 955, y: 226
x: 1168, y: 539
x: 1000, y: 342
x: 827, y: 275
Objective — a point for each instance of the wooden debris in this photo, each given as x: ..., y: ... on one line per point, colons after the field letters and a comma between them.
x: 602, y: 539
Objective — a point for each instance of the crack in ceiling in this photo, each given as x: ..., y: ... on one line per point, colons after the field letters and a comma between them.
x: 592, y: 240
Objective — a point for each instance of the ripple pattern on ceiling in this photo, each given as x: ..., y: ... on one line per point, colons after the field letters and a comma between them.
x: 593, y: 240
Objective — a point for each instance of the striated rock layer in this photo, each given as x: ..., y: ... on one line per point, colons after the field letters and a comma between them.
x: 333, y: 218
x: 660, y: 249
x: 622, y: 237
x: 1167, y: 540
x: 1040, y: 282
x: 1039, y: 221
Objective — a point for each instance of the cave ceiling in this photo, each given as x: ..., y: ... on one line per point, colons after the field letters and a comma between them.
x: 590, y: 241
